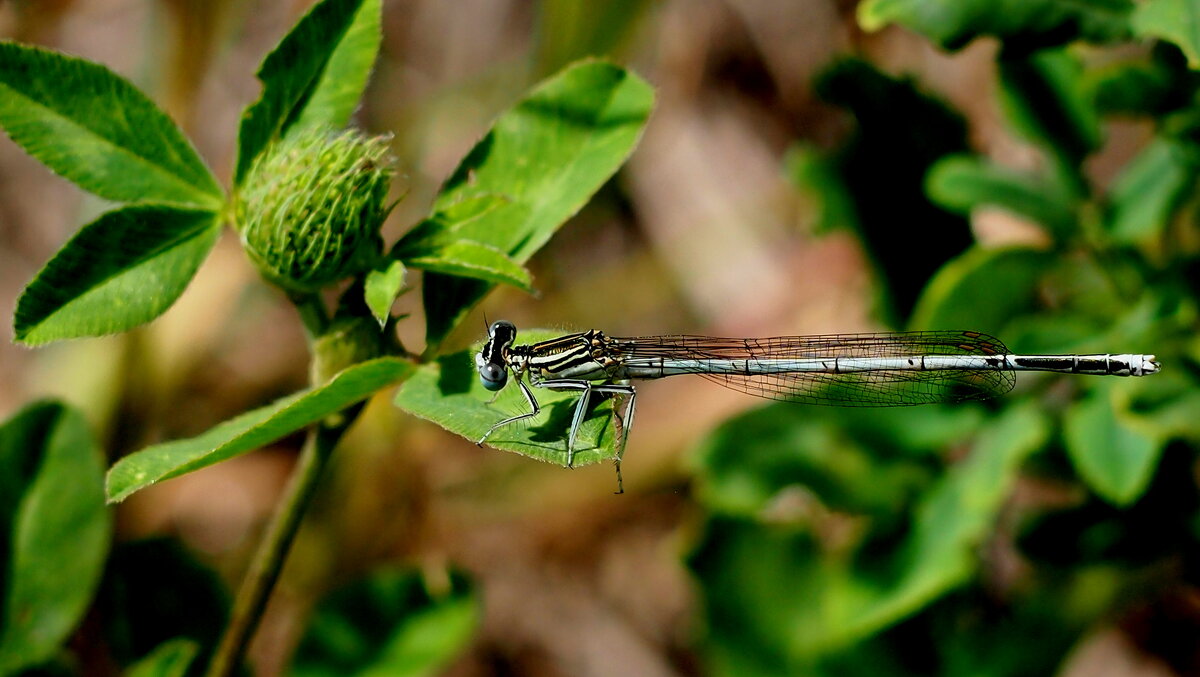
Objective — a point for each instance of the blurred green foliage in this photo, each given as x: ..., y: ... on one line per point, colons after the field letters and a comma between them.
x: 393, y: 622
x: 54, y: 531
x: 895, y: 543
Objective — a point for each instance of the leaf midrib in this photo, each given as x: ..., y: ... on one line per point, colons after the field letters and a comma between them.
x: 212, y: 200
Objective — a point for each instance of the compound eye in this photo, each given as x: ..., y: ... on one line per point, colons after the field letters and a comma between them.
x: 493, y: 376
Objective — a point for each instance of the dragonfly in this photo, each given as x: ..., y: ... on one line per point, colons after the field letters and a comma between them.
x: 858, y: 370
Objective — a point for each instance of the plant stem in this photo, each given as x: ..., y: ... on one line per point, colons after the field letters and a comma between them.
x: 312, y: 313
x: 268, y: 560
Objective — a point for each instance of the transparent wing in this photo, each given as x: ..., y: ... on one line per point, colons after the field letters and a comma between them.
x: 877, y: 388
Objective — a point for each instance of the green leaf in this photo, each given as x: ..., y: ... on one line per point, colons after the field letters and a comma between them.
x: 252, y: 429
x: 95, y: 128
x: 982, y: 290
x: 1176, y: 21
x: 337, y: 91
x: 780, y: 597
x: 1045, y: 98
x: 1115, y: 457
x: 547, y: 155
x: 444, y: 226
x: 449, y: 393
x: 171, y: 659
x: 437, y: 244
x: 1149, y: 190
x: 1025, y: 23
x: 465, y: 258
x: 391, y: 623
x: 962, y: 183
x: 382, y: 286
x: 337, y: 38
x: 120, y: 271
x: 54, y: 531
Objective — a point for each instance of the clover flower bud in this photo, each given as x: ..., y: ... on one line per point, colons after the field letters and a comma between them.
x: 311, y: 207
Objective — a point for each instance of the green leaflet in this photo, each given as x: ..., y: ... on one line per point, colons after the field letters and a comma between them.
x: 98, y: 130
x: 547, y: 155
x: 252, y: 429
x: 120, y: 271
x: 315, y: 75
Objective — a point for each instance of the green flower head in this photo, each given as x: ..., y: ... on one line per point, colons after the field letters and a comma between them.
x: 310, y: 210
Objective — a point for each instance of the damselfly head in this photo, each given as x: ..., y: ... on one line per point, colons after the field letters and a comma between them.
x: 493, y: 372
x: 503, y: 330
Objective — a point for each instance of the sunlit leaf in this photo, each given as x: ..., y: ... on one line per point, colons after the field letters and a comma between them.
x: 338, y: 90
x: 464, y: 258
x: 381, y: 287
x: 1177, y: 21
x: 118, y: 272
x: 546, y: 156
x: 323, y: 61
x: 95, y: 128
x: 252, y: 429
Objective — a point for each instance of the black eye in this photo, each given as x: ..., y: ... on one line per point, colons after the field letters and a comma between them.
x: 493, y: 376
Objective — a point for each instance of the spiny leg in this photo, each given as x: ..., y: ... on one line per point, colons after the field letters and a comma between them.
x: 580, y: 409
x: 622, y: 425
x: 581, y: 406
x: 533, y: 404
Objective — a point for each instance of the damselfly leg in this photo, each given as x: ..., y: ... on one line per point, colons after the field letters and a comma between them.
x: 587, y: 389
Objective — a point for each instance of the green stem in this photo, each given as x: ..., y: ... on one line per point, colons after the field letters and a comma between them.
x: 268, y: 560
x: 312, y: 313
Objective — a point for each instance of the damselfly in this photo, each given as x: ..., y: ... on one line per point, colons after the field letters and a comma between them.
x: 866, y: 370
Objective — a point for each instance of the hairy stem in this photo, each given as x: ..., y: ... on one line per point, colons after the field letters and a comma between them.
x: 268, y: 560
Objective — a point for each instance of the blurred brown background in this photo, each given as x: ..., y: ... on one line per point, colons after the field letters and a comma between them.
x: 699, y: 233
